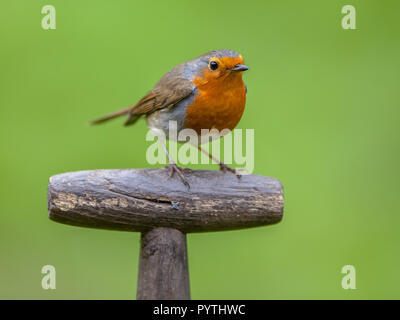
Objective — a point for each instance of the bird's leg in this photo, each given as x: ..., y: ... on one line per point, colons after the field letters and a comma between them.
x: 222, y: 166
x: 172, y: 166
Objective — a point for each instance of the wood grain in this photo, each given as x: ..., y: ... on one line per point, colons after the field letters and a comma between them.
x: 163, y: 266
x: 144, y: 199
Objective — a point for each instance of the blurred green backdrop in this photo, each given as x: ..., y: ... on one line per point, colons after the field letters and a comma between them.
x: 324, y: 103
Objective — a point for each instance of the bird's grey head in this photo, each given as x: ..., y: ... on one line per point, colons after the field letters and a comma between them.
x: 192, y: 67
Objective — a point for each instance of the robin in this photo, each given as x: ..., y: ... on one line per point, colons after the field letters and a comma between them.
x: 203, y: 93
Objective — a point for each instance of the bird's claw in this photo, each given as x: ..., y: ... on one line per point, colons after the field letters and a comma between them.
x: 173, y: 168
x: 223, y: 167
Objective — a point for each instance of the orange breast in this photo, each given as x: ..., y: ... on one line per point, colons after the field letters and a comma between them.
x: 218, y: 104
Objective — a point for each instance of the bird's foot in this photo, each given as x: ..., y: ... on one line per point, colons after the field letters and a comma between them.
x: 173, y: 168
x: 223, y: 167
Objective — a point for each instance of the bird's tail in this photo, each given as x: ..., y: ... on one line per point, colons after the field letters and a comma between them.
x: 110, y: 116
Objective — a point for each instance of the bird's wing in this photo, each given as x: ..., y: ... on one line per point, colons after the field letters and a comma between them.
x: 172, y: 88
x: 168, y: 91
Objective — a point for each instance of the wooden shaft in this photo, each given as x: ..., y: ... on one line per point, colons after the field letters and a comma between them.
x: 164, y: 210
x: 163, y: 266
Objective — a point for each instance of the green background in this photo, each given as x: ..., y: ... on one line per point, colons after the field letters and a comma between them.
x: 324, y: 104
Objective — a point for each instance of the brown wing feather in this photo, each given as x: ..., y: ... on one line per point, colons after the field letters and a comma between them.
x: 168, y: 91
x: 171, y: 89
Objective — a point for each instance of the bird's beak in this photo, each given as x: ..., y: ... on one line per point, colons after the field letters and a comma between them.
x: 240, y: 67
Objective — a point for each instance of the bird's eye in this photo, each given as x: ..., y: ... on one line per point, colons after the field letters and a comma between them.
x: 213, y: 65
